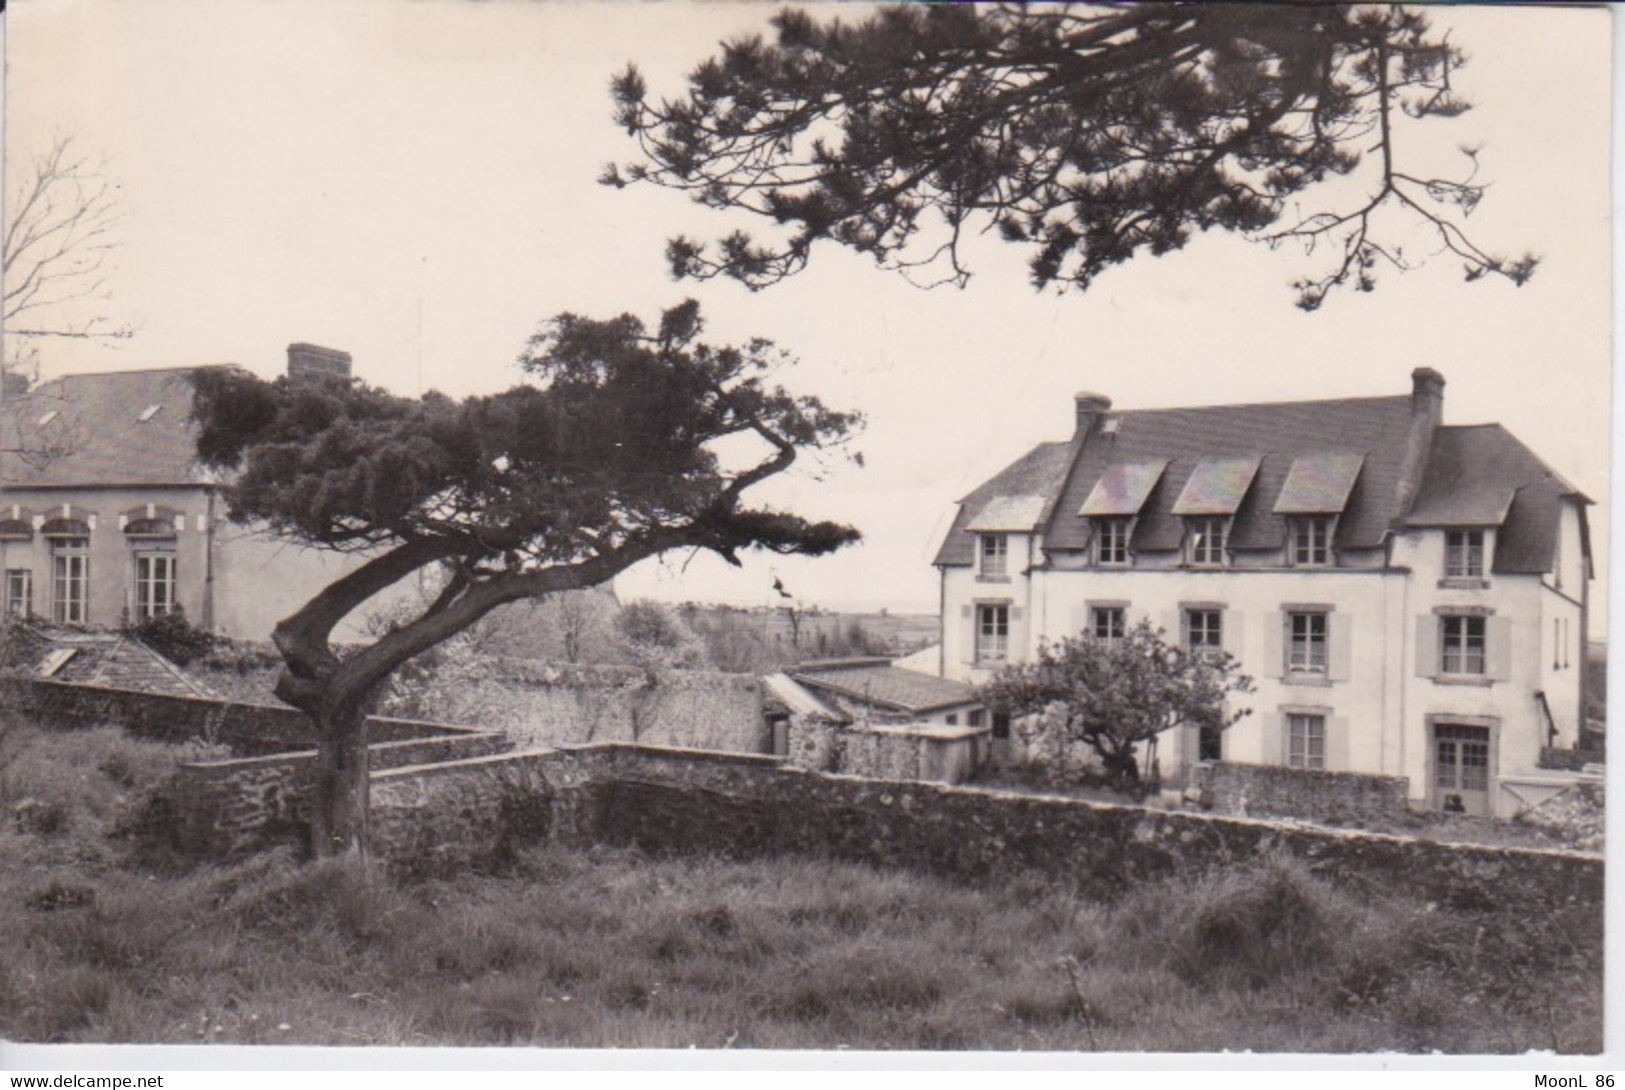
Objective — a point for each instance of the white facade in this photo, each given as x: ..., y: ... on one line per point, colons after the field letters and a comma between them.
x: 1414, y: 654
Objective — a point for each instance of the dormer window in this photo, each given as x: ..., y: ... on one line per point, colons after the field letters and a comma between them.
x: 1311, y: 544
x: 1205, y: 541
x: 1111, y: 542
x: 1464, y: 554
x: 995, y: 553
x: 1114, y: 501
x: 1316, y: 491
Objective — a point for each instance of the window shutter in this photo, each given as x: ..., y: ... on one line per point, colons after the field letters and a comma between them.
x: 1173, y: 627
x: 967, y: 630
x: 1427, y: 645
x: 1277, y: 725
x: 1498, y: 648
x: 1080, y: 621
x: 1340, y: 653
x: 1337, y: 744
x: 1275, y: 647
x: 1230, y: 631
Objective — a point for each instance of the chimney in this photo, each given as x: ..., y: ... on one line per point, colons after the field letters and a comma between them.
x: 1427, y: 410
x: 1090, y: 407
x: 306, y: 360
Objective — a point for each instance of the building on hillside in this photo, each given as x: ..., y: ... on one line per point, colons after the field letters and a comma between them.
x: 106, y: 516
x: 1411, y: 598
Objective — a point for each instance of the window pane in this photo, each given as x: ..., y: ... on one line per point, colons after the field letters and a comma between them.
x: 70, y: 570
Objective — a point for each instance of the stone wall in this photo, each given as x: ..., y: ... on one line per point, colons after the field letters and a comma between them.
x: 670, y: 801
x: 225, y: 809
x: 449, y: 815
x: 1569, y: 760
x: 1338, y: 798
x: 247, y: 729
x: 910, y: 751
x: 551, y: 704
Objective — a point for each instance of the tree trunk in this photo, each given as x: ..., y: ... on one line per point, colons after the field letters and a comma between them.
x: 338, y: 808
x: 1122, y: 770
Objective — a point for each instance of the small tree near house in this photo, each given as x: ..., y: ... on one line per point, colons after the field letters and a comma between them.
x: 1108, y: 696
x: 607, y: 456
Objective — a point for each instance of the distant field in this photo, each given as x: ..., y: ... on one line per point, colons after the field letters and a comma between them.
x: 903, y: 632
x: 606, y: 948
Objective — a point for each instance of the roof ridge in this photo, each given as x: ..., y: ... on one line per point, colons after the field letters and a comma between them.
x: 1259, y: 404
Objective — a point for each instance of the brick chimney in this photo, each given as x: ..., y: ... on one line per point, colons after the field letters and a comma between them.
x: 1090, y: 408
x: 1427, y: 410
x: 305, y: 360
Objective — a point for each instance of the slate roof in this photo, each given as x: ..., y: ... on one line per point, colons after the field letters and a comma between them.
x: 1349, y: 449
x: 796, y: 700
x: 1276, y: 434
x: 104, y: 432
x: 1473, y: 473
x: 877, y: 682
x: 1039, y: 473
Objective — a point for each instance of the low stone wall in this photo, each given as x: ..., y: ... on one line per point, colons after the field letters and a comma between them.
x: 684, y: 801
x: 910, y: 751
x: 247, y: 729
x: 551, y: 704
x: 1569, y: 760
x: 1338, y: 798
x: 226, y: 809
x: 669, y: 801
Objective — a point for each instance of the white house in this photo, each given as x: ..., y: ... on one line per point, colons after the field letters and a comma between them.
x: 1410, y: 597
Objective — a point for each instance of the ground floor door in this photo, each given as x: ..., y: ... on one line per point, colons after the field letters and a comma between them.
x: 1461, y: 768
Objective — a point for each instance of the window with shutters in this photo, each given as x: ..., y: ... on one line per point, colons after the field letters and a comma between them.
x: 1306, y: 742
x: 1204, y: 632
x: 1107, y: 622
x: 1462, y: 645
x: 992, y: 633
x: 1307, y: 644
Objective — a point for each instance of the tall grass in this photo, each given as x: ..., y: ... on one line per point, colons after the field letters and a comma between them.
x: 604, y: 948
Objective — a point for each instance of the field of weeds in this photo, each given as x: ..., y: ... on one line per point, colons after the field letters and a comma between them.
x: 108, y: 942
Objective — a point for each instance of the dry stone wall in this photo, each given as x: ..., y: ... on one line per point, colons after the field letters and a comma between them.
x: 227, y: 809
x: 247, y: 729
x: 1338, y: 798
x: 668, y: 801
x: 672, y: 801
x: 548, y: 704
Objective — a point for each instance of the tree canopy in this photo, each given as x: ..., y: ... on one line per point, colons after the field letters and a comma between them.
x: 607, y: 456
x: 1112, y: 695
x: 1089, y: 134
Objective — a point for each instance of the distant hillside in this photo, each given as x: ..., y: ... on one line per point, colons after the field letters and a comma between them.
x: 814, y: 634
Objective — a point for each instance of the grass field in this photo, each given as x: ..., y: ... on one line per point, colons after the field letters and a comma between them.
x: 107, y: 942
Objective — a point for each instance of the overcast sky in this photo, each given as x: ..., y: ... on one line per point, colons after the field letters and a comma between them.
x: 415, y: 183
